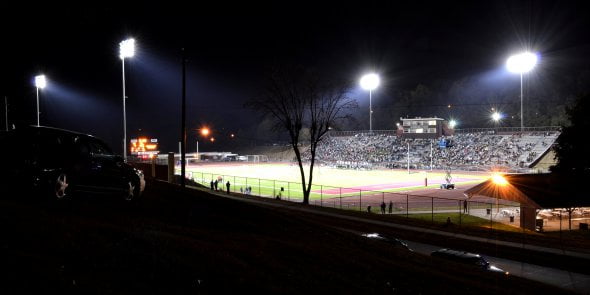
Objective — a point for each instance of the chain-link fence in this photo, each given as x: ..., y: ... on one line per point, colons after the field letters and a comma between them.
x: 491, y: 213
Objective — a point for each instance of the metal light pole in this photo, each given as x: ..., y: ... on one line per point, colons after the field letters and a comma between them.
x: 521, y: 63
x: 40, y: 83
x: 183, y: 124
x: 6, y: 111
x: 408, y: 158
x: 431, y: 156
x: 370, y: 111
x: 126, y: 49
x: 370, y: 82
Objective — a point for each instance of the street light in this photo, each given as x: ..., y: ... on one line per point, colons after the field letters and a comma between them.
x: 126, y: 50
x: 370, y: 82
x: 521, y: 64
x: 204, y: 132
x: 40, y: 83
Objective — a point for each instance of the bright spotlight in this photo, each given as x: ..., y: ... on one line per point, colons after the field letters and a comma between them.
x: 370, y: 81
x: 212, y: 139
x: 499, y: 179
x: 496, y: 116
x: 205, y: 131
x: 127, y: 48
x: 40, y: 81
x: 521, y: 63
x: 452, y: 124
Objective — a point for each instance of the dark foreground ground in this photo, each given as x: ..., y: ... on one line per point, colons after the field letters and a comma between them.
x: 175, y: 241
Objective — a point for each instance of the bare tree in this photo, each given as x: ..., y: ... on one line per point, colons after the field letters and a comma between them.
x: 299, y: 99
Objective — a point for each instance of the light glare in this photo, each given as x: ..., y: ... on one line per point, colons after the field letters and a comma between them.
x: 521, y: 63
x: 452, y: 124
x: 496, y: 116
x: 40, y: 81
x: 370, y: 81
x: 499, y: 179
x: 204, y: 131
x: 127, y: 48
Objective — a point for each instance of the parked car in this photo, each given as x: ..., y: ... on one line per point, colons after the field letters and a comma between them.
x: 59, y: 163
x: 390, y: 240
x: 467, y: 258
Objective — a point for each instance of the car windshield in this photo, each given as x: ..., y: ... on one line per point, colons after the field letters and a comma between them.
x: 99, y: 148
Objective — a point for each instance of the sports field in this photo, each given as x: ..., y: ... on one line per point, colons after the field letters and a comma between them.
x: 350, y: 187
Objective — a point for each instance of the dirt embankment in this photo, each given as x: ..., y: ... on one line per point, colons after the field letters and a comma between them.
x: 184, y: 241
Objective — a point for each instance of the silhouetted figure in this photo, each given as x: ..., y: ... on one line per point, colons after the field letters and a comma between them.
x: 449, y: 221
x: 390, y: 207
x: 465, y: 206
x: 227, y: 185
x: 369, y: 209
x: 215, y: 184
x: 383, y: 207
x: 211, y: 184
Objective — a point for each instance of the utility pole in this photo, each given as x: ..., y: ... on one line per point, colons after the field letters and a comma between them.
x: 6, y: 111
x: 430, y: 155
x: 183, y: 125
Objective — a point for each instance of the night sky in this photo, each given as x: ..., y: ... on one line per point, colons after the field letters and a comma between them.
x: 230, y: 47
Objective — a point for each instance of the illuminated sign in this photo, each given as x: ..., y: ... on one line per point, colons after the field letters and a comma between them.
x: 144, y: 147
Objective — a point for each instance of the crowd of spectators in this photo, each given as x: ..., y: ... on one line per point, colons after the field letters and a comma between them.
x: 484, y: 150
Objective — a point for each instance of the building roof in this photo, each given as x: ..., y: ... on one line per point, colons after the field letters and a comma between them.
x: 535, y: 190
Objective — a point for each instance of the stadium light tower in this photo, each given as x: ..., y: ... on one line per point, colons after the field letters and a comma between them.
x: 126, y: 50
x: 204, y: 131
x: 521, y: 64
x: 40, y: 83
x: 370, y: 82
x: 496, y: 117
x: 452, y: 124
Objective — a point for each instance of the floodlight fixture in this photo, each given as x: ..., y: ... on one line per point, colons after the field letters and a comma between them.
x: 496, y: 116
x: 499, y: 179
x: 40, y: 81
x: 452, y: 124
x: 370, y: 82
x: 127, y: 48
x: 522, y: 63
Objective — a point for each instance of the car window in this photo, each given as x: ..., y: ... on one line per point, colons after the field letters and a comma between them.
x: 80, y: 147
x: 51, y: 149
x: 99, y: 148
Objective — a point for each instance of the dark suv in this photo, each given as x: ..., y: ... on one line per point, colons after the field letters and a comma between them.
x: 59, y: 163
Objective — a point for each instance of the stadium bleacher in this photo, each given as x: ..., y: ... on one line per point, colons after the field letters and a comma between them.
x: 469, y: 151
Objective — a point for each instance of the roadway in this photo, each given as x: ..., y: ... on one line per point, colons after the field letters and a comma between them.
x: 572, y: 281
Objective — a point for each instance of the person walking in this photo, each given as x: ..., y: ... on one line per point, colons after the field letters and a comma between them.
x: 211, y: 184
x: 383, y: 207
x: 390, y: 206
x: 227, y: 184
x: 215, y: 184
x: 465, y: 206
